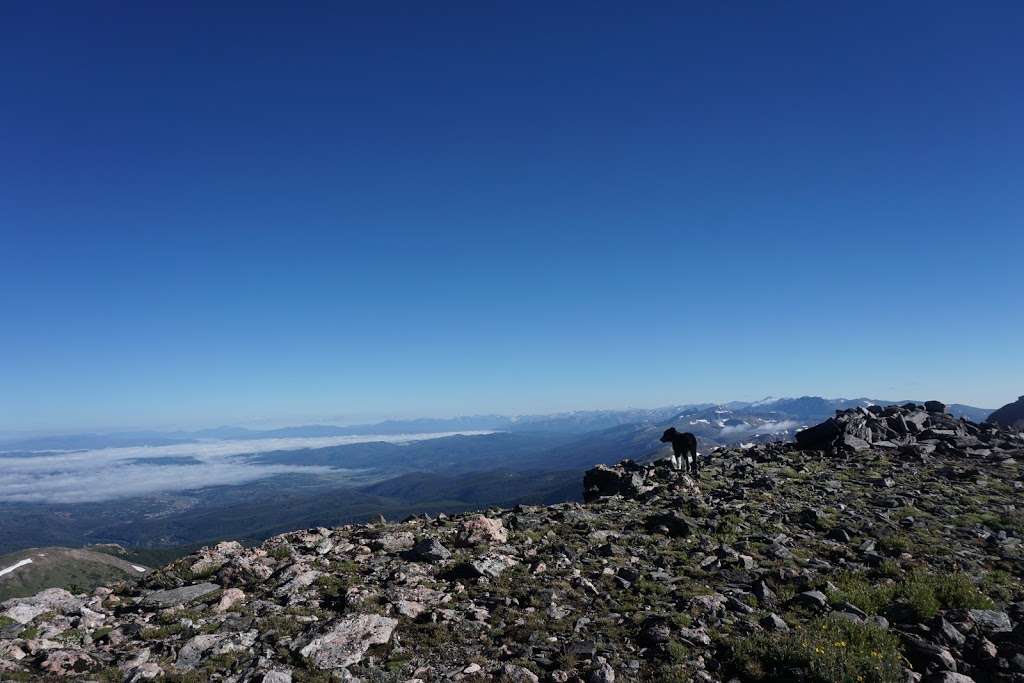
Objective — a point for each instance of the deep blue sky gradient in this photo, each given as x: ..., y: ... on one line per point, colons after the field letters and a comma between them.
x: 232, y: 213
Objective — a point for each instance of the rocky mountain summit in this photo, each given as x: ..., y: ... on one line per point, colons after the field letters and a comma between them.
x: 910, y: 428
x: 885, y: 545
x: 1010, y: 416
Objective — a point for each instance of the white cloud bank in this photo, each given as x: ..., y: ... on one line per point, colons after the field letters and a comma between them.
x: 776, y: 427
x: 110, y: 473
x: 763, y: 428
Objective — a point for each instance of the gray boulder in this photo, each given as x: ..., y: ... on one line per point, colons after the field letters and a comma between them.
x: 24, y: 610
x: 511, y: 673
x: 990, y: 621
x: 428, y: 550
x: 773, y: 622
x: 669, y: 523
x: 345, y: 643
x: 813, y: 599
x: 625, y: 479
x: 491, y: 567
x: 820, y: 436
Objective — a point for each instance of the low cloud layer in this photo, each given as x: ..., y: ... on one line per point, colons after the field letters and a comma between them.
x: 736, y: 429
x: 775, y: 427
x: 110, y: 473
x: 763, y: 428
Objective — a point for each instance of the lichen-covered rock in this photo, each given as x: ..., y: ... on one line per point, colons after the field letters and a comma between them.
x: 67, y: 663
x: 990, y: 621
x: 24, y: 610
x: 491, y: 566
x: 394, y: 542
x: 179, y: 596
x: 483, y: 530
x: 200, y: 647
x: 346, y: 641
x: 230, y: 598
x: 193, y: 651
x: 511, y: 673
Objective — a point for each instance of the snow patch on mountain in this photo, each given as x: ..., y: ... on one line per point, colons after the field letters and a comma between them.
x: 20, y: 563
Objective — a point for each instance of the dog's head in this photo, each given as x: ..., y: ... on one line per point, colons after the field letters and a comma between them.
x: 669, y: 434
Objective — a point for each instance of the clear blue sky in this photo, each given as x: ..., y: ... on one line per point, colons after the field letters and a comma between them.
x: 224, y: 214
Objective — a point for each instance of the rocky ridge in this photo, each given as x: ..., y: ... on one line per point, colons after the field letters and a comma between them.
x: 1009, y: 416
x: 910, y: 428
x: 27, y: 571
x: 885, y: 545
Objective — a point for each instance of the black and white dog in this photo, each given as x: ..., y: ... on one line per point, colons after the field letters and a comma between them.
x: 684, y: 449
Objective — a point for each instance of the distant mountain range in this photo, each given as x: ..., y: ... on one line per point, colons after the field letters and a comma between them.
x: 527, y: 459
x: 578, y: 422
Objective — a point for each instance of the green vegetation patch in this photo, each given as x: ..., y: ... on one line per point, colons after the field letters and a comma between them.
x: 160, y: 632
x: 924, y: 592
x: 1002, y: 584
x: 1010, y: 522
x: 896, y: 543
x: 281, y: 552
x: 824, y: 650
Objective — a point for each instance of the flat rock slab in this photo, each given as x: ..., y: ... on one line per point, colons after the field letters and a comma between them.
x: 179, y: 596
x: 348, y: 640
x: 991, y: 621
x: 24, y: 610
